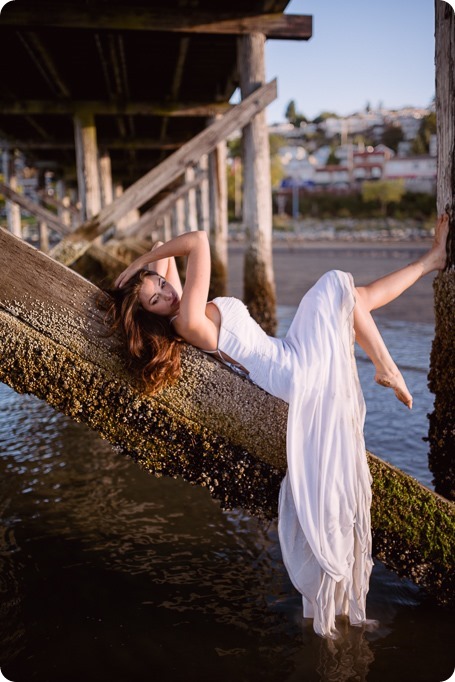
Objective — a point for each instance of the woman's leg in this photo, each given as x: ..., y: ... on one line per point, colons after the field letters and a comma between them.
x: 370, y: 340
x: 381, y: 292
x: 386, y: 289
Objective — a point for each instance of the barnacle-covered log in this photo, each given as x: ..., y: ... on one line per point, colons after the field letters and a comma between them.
x: 442, y: 366
x: 212, y: 428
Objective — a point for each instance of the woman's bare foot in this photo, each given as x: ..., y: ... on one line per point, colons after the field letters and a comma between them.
x: 395, y: 380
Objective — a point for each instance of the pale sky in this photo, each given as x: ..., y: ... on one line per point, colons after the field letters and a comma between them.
x: 361, y: 51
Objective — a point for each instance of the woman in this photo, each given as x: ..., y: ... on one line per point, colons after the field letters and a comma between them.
x: 324, y: 505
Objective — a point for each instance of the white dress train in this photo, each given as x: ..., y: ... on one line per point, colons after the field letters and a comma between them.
x: 325, y: 497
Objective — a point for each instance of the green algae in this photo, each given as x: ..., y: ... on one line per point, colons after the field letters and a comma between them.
x: 441, y: 382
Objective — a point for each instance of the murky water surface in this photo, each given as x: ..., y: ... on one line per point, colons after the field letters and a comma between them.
x: 109, y: 574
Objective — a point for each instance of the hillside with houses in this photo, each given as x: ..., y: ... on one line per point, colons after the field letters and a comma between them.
x: 339, y: 154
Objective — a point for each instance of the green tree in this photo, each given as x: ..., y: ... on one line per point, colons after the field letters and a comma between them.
x: 392, y: 136
x: 291, y: 112
x: 234, y: 147
x: 333, y: 159
x: 276, y: 142
x: 384, y: 191
x: 421, y: 143
x: 276, y: 167
x: 324, y: 115
x: 295, y: 117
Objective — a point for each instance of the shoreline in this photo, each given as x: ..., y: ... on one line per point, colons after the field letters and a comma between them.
x: 298, y: 265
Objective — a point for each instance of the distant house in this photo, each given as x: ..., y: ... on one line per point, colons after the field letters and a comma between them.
x: 418, y: 172
x: 369, y: 164
x: 356, y: 167
x: 332, y: 177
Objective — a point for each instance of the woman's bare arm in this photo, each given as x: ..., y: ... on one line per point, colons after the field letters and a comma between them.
x: 167, y: 268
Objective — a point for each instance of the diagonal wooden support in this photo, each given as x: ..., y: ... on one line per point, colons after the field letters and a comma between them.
x: 41, y: 213
x: 213, y: 428
x: 72, y: 247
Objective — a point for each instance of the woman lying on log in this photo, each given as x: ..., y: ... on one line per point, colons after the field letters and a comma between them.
x: 324, y: 505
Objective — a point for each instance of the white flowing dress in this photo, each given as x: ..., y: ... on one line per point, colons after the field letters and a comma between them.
x: 325, y: 497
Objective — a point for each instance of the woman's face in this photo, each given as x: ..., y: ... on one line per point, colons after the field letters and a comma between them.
x: 158, y: 296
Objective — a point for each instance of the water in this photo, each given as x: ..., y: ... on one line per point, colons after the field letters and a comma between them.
x: 108, y: 573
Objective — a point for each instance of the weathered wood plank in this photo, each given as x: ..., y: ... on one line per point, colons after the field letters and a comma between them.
x: 276, y: 25
x: 159, y: 177
x: 111, y: 108
x: 213, y: 428
x: 36, y: 210
x: 105, y: 142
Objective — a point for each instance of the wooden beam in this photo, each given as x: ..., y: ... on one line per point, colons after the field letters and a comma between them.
x: 168, y: 144
x: 38, y: 211
x: 69, y: 107
x: 130, y: 18
x: 212, y: 428
x: 159, y: 177
x: 44, y: 61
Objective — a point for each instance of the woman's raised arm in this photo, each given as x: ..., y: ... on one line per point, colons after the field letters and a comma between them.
x: 167, y: 268
x: 183, y: 245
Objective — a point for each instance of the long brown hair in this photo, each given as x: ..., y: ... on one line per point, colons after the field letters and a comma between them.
x: 151, y: 344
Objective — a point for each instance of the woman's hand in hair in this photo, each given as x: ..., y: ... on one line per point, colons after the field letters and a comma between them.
x: 130, y: 271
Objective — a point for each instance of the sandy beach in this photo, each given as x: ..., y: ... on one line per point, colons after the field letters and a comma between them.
x: 297, y: 266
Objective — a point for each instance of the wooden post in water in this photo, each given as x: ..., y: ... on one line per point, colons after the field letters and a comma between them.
x: 218, y: 230
x: 13, y: 211
x: 442, y: 364
x: 259, y: 284
x: 64, y: 201
x: 178, y: 217
x: 167, y: 227
x: 107, y: 194
x: 43, y: 236
x: 190, y: 201
x: 87, y: 164
x: 202, y: 195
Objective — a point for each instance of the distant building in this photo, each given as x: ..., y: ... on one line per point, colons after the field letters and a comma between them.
x: 356, y: 166
x: 418, y: 172
x: 332, y: 177
x: 369, y: 164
